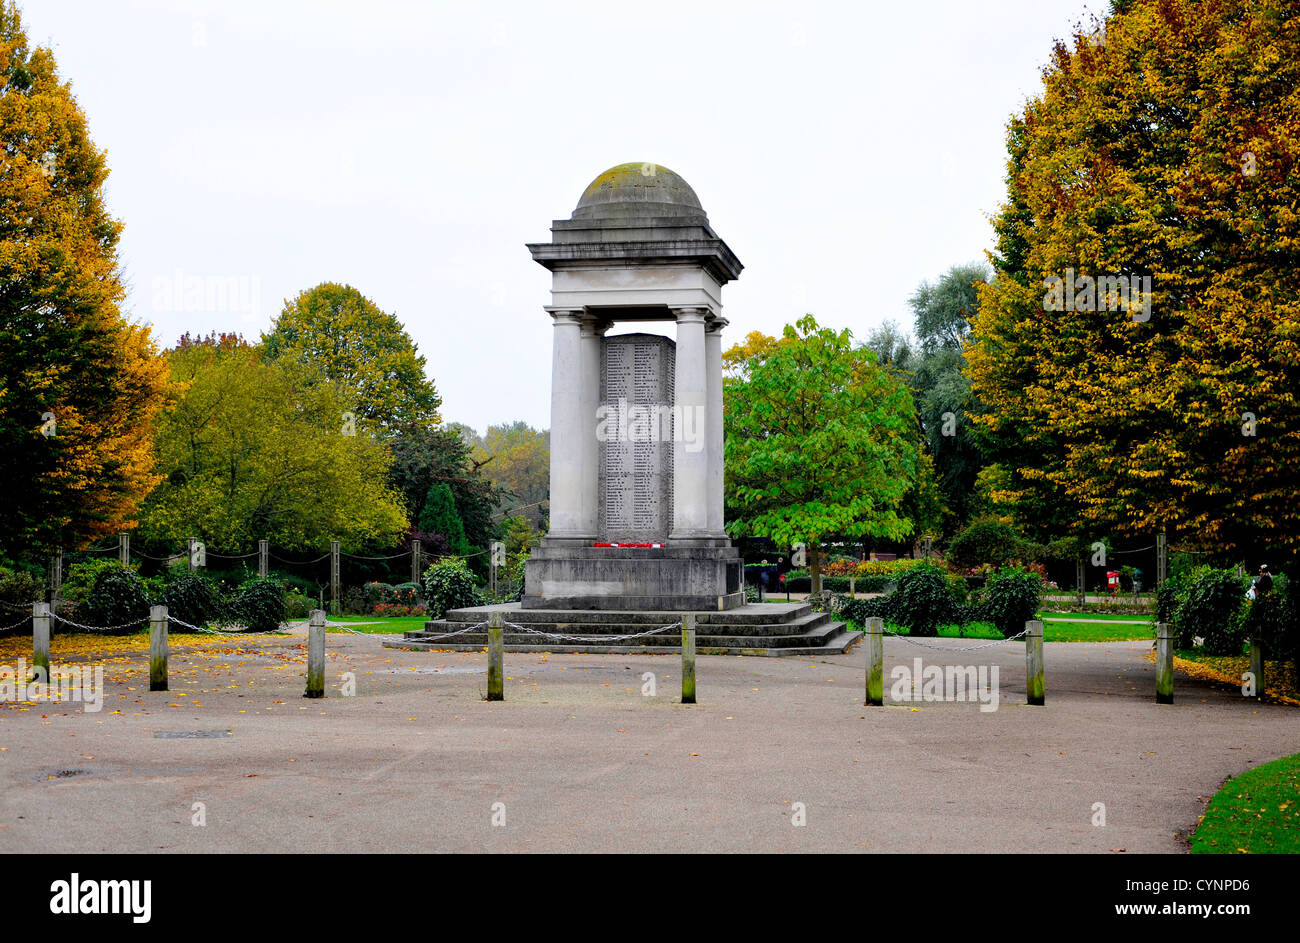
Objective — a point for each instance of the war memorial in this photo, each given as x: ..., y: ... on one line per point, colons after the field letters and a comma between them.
x: 637, y: 532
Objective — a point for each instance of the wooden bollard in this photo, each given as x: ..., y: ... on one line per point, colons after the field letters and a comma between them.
x: 1257, y: 665
x: 41, y: 639
x: 316, y: 655
x: 1034, y: 663
x: 1164, y: 663
x: 875, y: 662
x: 688, y: 658
x: 157, y: 648
x: 853, y: 587
x: 496, y: 649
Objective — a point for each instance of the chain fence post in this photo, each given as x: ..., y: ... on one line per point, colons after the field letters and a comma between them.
x: 157, y: 648
x: 688, y: 658
x: 1034, y: 663
x: 496, y: 673
x: 316, y: 655
x: 41, y: 639
x: 875, y: 662
x: 334, y: 577
x: 415, y: 563
x: 263, y: 554
x: 1164, y: 663
x: 124, y: 550
x: 1257, y: 664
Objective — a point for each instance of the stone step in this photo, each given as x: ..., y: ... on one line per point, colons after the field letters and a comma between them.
x: 831, y: 639
x: 750, y: 614
x: 799, y: 624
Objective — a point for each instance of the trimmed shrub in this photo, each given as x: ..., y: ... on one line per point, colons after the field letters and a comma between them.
x: 449, y: 584
x: 191, y: 598
x: 118, y: 598
x: 1213, y: 608
x: 1011, y: 598
x: 299, y: 605
x: 81, y: 577
x: 985, y: 542
x: 20, y: 588
x: 259, y: 604
x: 923, y: 601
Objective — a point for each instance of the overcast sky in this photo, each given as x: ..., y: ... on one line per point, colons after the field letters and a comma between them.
x: 845, y: 151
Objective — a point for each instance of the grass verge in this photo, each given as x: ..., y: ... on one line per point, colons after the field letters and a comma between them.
x: 1257, y: 812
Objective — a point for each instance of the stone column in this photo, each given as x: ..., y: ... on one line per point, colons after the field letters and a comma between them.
x: 567, y: 443
x: 713, y: 358
x: 690, y: 446
x: 593, y: 332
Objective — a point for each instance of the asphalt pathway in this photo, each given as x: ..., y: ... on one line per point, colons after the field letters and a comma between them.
x: 578, y: 758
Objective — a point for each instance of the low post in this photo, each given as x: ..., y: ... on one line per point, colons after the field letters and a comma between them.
x: 263, y: 552
x: 157, y: 648
x: 1162, y: 559
x: 415, y: 562
x: 1164, y: 663
x: 1257, y: 665
x: 496, y: 648
x: 1080, y: 577
x: 688, y: 658
x: 316, y: 655
x: 191, y: 546
x: 124, y: 550
x: 1034, y: 663
x: 56, y: 575
x: 334, y: 577
x: 853, y: 587
x: 875, y: 662
x: 41, y: 639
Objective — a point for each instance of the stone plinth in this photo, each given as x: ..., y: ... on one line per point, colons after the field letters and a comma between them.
x: 654, y: 578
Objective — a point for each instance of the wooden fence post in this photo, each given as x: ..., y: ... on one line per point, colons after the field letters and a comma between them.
x: 875, y: 662
x: 316, y: 655
x: 688, y: 658
x: 41, y: 639
x: 1034, y: 663
x: 415, y: 564
x: 1164, y: 663
x: 263, y: 553
x: 1257, y: 665
x: 56, y: 575
x: 334, y: 577
x: 496, y: 647
x: 157, y: 648
x: 124, y: 550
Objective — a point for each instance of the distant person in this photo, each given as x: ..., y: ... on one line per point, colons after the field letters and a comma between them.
x: 1263, y: 583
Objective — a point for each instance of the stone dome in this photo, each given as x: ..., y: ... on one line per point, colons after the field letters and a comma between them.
x: 638, y: 190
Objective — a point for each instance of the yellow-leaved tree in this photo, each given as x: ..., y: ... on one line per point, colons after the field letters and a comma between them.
x: 1138, y: 350
x: 80, y: 385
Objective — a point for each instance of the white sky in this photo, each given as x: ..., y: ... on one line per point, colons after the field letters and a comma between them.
x: 845, y: 151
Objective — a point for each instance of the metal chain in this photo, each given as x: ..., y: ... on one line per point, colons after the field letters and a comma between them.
x: 9, y: 628
x: 98, y: 628
x: 952, y: 648
x: 391, y: 556
x: 209, y: 631
x: 592, y: 638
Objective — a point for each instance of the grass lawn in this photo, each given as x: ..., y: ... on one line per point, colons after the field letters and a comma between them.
x: 1256, y: 813
x: 395, y: 625
x: 1052, y: 631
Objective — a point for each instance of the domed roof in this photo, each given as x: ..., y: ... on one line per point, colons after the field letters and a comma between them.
x: 641, y: 190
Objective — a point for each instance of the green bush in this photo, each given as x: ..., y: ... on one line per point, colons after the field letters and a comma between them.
x: 80, y: 578
x: 982, y: 542
x: 1213, y: 608
x: 376, y: 593
x: 118, y: 598
x: 923, y: 601
x: 298, y: 605
x: 20, y: 588
x: 259, y: 604
x: 1011, y: 598
x: 449, y: 584
x: 192, y: 598
x: 1272, y: 619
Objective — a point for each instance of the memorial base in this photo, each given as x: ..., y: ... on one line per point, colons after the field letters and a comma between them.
x: 667, y: 579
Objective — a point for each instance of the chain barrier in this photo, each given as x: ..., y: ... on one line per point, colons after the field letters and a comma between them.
x: 24, y: 607
x: 98, y: 628
x: 956, y: 648
x: 358, y: 556
x: 209, y: 631
x: 558, y: 636
x: 324, y: 556
x: 17, y: 625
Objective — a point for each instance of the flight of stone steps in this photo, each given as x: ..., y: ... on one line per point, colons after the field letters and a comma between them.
x: 753, y: 629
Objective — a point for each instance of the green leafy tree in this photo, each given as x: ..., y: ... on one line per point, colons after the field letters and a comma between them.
x: 425, y: 458
x: 366, y: 352
x: 251, y: 451
x: 820, y: 442
x: 80, y: 386
x: 439, y: 516
x: 518, y: 459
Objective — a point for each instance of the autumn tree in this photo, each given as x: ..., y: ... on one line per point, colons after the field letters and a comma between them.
x: 518, y: 459
x: 256, y: 450
x: 80, y: 385
x: 820, y: 441
x: 364, y: 351
x: 1162, y: 151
